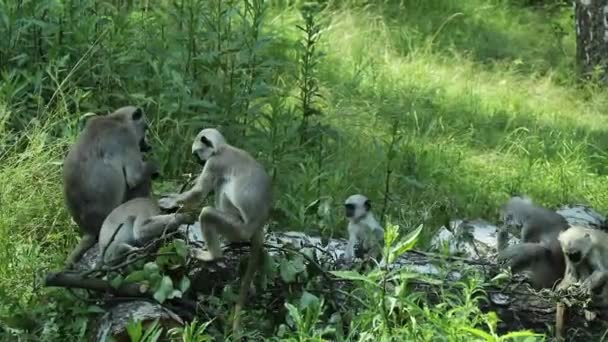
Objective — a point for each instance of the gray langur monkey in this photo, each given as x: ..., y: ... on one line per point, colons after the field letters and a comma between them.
x: 586, y: 253
x: 539, y: 253
x: 362, y: 226
x: 133, y: 224
x: 243, y: 199
x: 103, y: 169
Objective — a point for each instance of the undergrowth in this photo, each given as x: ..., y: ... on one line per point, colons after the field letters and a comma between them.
x: 431, y: 108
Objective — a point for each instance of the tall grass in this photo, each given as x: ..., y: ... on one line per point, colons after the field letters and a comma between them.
x: 426, y: 106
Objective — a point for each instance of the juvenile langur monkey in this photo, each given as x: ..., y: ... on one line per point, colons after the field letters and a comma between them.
x: 243, y: 198
x: 539, y: 252
x: 586, y: 253
x: 103, y: 169
x: 138, y: 221
x: 362, y: 226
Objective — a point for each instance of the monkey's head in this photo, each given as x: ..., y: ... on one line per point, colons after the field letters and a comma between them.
x: 206, y: 144
x: 575, y: 244
x: 137, y: 118
x: 356, y: 207
x: 512, y: 213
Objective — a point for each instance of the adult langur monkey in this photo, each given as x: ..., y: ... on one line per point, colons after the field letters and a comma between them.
x: 539, y: 253
x: 103, y: 169
x: 243, y: 199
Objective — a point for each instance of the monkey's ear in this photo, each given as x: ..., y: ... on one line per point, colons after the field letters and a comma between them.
x: 137, y: 114
x: 367, y: 205
x: 206, y: 141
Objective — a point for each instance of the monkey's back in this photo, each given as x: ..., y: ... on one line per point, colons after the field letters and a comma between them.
x: 252, y: 184
x: 141, y: 207
x: 93, y: 181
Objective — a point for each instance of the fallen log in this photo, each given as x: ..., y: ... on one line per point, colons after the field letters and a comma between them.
x: 517, y: 305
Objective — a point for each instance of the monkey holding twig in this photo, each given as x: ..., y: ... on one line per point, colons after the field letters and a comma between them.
x: 539, y: 252
x: 103, y: 169
x: 586, y: 254
x: 362, y: 227
x: 243, y: 199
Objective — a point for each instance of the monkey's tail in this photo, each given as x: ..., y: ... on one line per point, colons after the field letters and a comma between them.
x: 256, y: 253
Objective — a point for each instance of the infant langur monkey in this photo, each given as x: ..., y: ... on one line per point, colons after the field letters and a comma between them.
x: 243, y: 199
x: 134, y: 223
x: 586, y: 253
x: 539, y: 252
x: 362, y: 226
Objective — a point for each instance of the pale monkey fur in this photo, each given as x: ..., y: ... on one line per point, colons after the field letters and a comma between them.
x: 362, y: 226
x: 243, y: 199
x: 138, y: 221
x: 586, y: 253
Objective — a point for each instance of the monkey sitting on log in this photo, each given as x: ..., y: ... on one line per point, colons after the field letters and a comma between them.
x: 103, y: 169
x: 539, y: 252
x: 362, y: 227
x: 586, y: 254
x: 243, y: 199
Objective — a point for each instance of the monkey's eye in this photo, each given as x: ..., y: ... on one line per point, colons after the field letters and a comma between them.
x: 206, y: 141
x: 574, y: 256
x: 137, y: 114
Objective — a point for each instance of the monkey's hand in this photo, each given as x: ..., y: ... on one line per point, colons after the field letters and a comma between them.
x: 201, y: 255
x: 519, y: 256
x: 169, y: 202
x: 595, y: 283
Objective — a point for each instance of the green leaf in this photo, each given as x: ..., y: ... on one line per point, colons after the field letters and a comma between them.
x: 137, y: 276
x: 479, y: 333
x: 355, y: 276
x: 184, y: 284
x: 288, y: 271
x: 181, y: 248
x: 151, y: 268
x: 308, y: 300
x: 135, y: 330
x: 164, y: 289
x: 116, y: 281
x: 406, y: 244
x: 175, y: 294
x: 95, y: 309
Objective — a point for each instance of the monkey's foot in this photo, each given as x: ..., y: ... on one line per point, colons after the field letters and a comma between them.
x: 201, y: 255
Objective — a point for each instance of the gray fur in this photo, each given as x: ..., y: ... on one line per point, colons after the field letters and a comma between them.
x: 243, y: 199
x: 103, y: 169
x: 539, y: 254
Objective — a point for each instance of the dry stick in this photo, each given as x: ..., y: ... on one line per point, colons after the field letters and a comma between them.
x: 133, y: 290
x: 560, y: 311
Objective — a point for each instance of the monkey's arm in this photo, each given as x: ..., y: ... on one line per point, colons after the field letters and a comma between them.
x: 596, y: 282
x: 199, y: 191
x: 349, y: 252
x: 523, y: 254
x: 133, y: 167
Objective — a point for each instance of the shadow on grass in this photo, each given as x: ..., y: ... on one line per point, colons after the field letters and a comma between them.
x: 486, y: 31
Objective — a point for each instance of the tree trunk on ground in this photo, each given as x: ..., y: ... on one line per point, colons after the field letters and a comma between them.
x: 591, y: 20
x: 516, y: 305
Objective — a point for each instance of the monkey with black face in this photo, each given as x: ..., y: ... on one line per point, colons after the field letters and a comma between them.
x: 539, y: 253
x: 586, y: 253
x: 362, y: 227
x: 103, y: 169
x: 134, y: 223
x: 243, y: 199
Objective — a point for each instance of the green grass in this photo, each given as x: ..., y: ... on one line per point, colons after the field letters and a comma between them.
x: 483, y: 93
